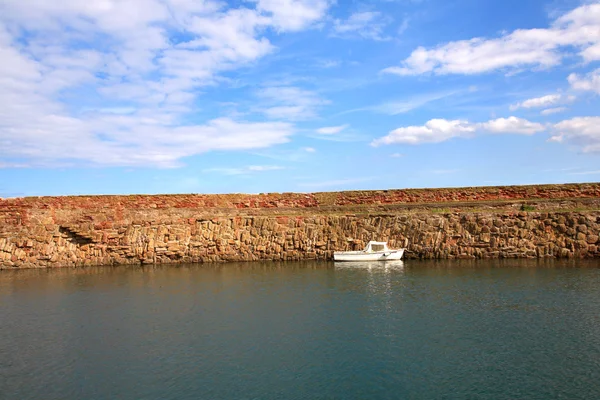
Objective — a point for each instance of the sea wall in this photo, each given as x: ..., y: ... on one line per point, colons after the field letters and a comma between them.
x: 511, y: 222
x: 300, y: 200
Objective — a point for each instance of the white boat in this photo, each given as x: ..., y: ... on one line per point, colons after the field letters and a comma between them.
x: 375, y: 251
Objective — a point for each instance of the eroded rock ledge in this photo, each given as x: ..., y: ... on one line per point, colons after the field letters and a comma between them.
x: 488, y: 222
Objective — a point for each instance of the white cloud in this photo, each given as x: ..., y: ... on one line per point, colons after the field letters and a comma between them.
x: 592, y: 53
x: 440, y: 130
x: 13, y: 165
x: 300, y: 154
x: 582, y: 132
x: 538, y: 102
x: 396, y: 107
x: 434, y: 131
x: 131, y: 140
x: 531, y: 48
x: 589, y: 82
x: 367, y: 25
x: 331, y: 130
x: 512, y: 125
x: 403, y: 26
x: 289, y: 102
x: 293, y: 15
x: 244, y: 170
x: 401, y: 106
x: 544, y: 101
x: 556, y: 110
x: 111, y: 82
x: 260, y: 168
x: 328, y: 63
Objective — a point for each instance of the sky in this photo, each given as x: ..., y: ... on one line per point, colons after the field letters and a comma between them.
x: 260, y: 96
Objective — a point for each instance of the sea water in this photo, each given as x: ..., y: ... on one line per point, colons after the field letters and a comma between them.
x: 310, y: 330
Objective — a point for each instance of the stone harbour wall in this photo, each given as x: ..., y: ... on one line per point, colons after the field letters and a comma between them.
x: 107, y: 230
x: 301, y: 200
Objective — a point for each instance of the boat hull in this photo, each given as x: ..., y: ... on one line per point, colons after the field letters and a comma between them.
x: 363, y: 256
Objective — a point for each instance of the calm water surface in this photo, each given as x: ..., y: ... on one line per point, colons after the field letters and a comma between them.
x: 421, y: 330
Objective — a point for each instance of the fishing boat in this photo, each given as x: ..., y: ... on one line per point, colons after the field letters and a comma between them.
x: 375, y: 251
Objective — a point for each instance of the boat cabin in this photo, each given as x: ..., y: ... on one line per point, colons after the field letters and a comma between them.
x: 376, y: 247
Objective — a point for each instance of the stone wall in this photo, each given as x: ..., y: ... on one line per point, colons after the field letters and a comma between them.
x: 98, y: 230
x: 302, y: 200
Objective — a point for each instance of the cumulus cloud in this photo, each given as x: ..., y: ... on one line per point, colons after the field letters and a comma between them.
x: 582, y: 132
x: 512, y: 125
x: 590, y: 82
x: 434, y: 131
x: 544, y: 101
x: 522, y: 48
x: 112, y: 82
x: 331, y: 130
x: 440, y: 130
x: 367, y: 25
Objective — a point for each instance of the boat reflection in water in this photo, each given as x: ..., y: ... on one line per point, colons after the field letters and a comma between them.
x: 374, y: 266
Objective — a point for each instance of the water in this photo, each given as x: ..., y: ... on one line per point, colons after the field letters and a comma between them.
x: 422, y: 330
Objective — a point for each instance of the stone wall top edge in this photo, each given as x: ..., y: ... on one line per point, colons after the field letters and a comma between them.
x: 479, y: 188
x: 307, y: 200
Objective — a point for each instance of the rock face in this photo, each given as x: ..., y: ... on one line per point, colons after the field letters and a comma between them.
x: 462, y: 223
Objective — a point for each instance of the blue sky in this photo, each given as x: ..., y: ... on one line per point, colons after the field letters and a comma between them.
x: 185, y: 96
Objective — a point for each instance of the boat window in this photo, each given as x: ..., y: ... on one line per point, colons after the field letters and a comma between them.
x: 377, y: 247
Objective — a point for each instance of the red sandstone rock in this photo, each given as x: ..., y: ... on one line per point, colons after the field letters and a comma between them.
x: 92, y: 230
